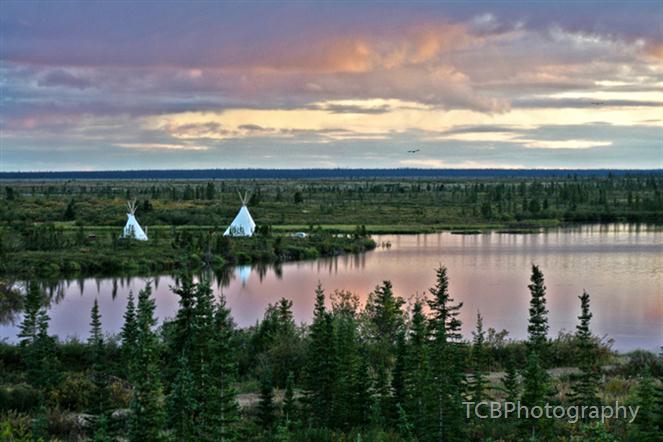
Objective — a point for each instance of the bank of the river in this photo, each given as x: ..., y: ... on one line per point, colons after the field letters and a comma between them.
x: 86, y: 254
x: 54, y: 250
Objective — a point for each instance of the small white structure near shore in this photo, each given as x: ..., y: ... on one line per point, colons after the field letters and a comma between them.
x: 132, y: 229
x: 243, y: 224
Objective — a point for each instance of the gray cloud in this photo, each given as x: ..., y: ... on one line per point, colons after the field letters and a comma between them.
x: 61, y: 77
x: 581, y: 103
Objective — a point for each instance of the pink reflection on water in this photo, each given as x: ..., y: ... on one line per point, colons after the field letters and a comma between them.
x: 620, y: 265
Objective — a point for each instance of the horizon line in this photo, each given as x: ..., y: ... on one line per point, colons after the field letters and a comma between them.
x: 92, y: 171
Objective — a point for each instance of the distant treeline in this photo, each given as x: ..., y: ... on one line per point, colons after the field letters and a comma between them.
x: 315, y: 173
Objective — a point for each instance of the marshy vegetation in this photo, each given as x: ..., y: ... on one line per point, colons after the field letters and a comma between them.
x: 63, y: 228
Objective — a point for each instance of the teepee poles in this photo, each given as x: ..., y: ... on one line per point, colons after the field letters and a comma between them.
x: 243, y: 198
x: 131, y: 205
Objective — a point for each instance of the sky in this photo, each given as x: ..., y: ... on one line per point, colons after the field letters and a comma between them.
x: 299, y: 84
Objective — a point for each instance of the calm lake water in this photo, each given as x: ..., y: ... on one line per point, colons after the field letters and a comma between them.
x: 621, y: 266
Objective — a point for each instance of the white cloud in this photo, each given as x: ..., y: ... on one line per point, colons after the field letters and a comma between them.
x: 160, y: 146
x: 564, y: 144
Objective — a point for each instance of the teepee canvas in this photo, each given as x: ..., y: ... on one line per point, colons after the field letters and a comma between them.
x: 243, y: 224
x: 132, y: 229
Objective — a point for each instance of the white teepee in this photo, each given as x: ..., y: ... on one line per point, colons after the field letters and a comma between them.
x: 243, y: 224
x: 132, y: 229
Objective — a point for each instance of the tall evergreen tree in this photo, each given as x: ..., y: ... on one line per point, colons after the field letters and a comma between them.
x: 398, y: 378
x: 43, y: 368
x: 535, y: 391
x: 536, y: 380
x: 584, y: 390
x: 418, y: 381
x: 479, y: 362
x: 346, y: 349
x: 447, y: 366
x: 203, y: 405
x: 147, y: 418
x: 647, y: 422
x: 266, y: 409
x: 537, y: 328
x: 34, y: 301
x: 320, y: 369
x: 362, y: 397
x: 184, y: 376
x: 38, y: 347
x: 200, y: 356
x: 510, y: 381
x: 182, y: 405
x: 222, y: 410
x: 289, y: 405
x: 128, y: 334
x: 385, y: 320
x: 99, y: 373
x: 184, y: 322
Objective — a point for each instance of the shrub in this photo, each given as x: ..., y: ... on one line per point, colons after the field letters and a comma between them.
x: 641, y: 362
x: 15, y: 427
x: 19, y: 398
x: 75, y: 392
x: 50, y: 269
x: 71, y: 267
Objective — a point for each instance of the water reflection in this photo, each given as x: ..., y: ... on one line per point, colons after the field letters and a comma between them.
x: 620, y: 265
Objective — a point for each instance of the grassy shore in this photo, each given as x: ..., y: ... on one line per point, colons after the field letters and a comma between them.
x: 98, y: 251
x: 72, y: 227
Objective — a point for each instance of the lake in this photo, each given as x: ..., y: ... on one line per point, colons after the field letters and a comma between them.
x: 621, y: 266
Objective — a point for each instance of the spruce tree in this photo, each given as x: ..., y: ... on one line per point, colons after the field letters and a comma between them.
x: 535, y: 391
x: 289, y: 405
x: 222, y: 409
x: 128, y: 334
x: 147, y: 417
x: 184, y: 322
x: 447, y: 365
x: 403, y: 424
x: 385, y: 321
x: 320, y: 368
x: 101, y: 430
x: 34, y: 300
x: 43, y: 370
x: 99, y: 372
x: 510, y: 381
x: 182, y: 405
x: 647, y: 422
x: 537, y: 328
x: 362, y: 398
x: 346, y: 349
x: 398, y: 379
x: 183, y: 377
x: 201, y: 345
x: 418, y: 381
x: 584, y: 390
x: 38, y: 347
x: 266, y: 409
x: 536, y: 379
x: 479, y: 362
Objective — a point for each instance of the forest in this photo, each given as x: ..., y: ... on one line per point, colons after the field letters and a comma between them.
x: 389, y: 370
x: 51, y: 229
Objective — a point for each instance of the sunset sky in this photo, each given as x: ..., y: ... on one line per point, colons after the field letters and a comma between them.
x: 122, y: 85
